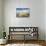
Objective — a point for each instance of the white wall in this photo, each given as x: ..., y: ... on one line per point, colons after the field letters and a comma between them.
x: 45, y: 19
x: 35, y: 19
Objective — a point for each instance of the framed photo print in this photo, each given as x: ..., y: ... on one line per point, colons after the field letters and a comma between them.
x: 22, y: 12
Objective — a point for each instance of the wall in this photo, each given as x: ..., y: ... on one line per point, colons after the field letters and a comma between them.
x: 45, y: 19
x: 39, y: 16
x: 0, y: 18
x: 35, y: 19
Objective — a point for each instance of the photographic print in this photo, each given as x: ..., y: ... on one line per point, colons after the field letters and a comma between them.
x: 22, y: 12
